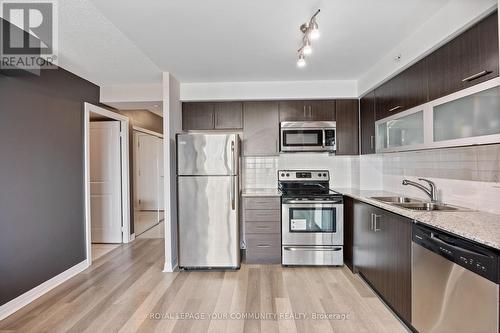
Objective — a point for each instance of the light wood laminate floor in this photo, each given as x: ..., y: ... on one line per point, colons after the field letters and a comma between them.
x: 126, y: 291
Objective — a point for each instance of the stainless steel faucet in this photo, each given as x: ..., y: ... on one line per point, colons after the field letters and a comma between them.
x: 431, y: 191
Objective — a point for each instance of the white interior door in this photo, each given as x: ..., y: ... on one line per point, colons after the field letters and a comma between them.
x: 105, y: 182
x: 148, y: 173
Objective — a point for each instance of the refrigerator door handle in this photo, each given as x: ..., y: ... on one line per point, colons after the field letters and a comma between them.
x: 233, y: 162
x: 233, y: 194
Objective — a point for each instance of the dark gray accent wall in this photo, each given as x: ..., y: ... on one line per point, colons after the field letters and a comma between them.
x: 42, y: 227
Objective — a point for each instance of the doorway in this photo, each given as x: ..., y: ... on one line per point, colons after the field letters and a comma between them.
x: 149, y: 211
x: 106, y: 180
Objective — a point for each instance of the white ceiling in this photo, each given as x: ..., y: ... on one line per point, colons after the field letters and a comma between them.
x: 129, y: 42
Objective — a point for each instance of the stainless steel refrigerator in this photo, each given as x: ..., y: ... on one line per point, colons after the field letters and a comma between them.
x: 208, y: 200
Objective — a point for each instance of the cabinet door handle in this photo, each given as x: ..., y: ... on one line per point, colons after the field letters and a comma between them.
x: 475, y: 76
x: 310, y: 111
x: 305, y: 110
x: 263, y: 228
x: 263, y: 245
x: 371, y: 221
x: 395, y: 108
x: 372, y: 142
x: 376, y: 227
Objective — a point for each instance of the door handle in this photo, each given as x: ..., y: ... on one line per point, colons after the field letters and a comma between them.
x: 233, y: 194
x: 475, y: 76
x: 395, y: 108
x: 290, y: 248
x: 375, y: 223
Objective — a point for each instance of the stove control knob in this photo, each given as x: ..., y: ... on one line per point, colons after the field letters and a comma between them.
x: 282, y: 175
x: 319, y: 175
x: 324, y: 175
x: 288, y: 175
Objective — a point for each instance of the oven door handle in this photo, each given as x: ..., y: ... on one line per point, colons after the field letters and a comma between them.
x: 313, y: 202
x: 294, y: 248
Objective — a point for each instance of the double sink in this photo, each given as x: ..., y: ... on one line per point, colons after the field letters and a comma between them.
x: 417, y: 205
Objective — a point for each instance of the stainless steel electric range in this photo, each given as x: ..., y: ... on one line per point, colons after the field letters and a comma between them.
x: 312, y: 219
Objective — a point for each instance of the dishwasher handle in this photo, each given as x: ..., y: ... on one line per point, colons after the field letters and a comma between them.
x: 434, y: 237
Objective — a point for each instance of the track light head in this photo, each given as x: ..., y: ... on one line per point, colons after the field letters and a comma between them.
x: 313, y: 29
x: 302, y: 61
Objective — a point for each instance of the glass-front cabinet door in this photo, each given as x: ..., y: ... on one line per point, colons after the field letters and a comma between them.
x: 404, y: 131
x: 467, y: 117
x: 470, y: 116
x: 312, y: 219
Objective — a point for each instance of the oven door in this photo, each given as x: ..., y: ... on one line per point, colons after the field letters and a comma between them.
x: 302, y: 139
x: 312, y: 223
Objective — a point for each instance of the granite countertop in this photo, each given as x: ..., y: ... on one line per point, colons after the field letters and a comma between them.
x: 481, y: 227
x: 261, y: 192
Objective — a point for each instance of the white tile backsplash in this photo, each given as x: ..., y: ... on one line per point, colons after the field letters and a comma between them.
x: 340, y: 167
x: 465, y: 176
x: 260, y: 172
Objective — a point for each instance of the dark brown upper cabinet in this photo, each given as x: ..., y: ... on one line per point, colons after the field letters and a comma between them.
x: 404, y: 91
x: 198, y: 116
x: 229, y: 115
x: 347, y: 117
x: 209, y: 116
x: 321, y: 110
x: 469, y: 59
x: 367, y: 123
x: 260, y: 129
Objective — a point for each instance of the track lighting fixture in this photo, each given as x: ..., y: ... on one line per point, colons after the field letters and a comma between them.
x: 311, y: 32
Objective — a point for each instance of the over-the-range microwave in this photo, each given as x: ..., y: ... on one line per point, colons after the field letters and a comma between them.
x: 303, y: 136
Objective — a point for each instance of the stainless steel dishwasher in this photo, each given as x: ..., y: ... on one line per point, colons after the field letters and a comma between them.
x: 454, y: 284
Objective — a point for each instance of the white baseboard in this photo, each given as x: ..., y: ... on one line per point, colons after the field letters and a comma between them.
x: 17, y: 303
x: 132, y: 237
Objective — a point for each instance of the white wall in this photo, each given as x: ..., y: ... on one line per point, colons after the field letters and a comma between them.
x: 172, y: 124
x: 206, y: 91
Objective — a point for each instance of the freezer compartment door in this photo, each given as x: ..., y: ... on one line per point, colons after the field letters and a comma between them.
x: 202, y: 154
x: 208, y: 222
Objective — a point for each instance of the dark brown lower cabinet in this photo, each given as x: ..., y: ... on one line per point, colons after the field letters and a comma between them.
x: 382, y: 254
